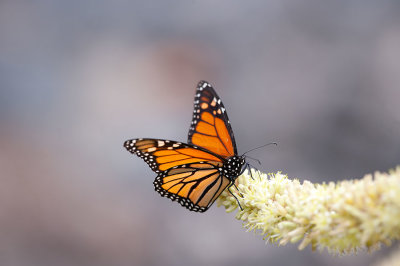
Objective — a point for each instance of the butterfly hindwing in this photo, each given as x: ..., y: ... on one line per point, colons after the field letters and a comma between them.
x: 186, y: 173
x: 195, y: 186
x: 210, y: 126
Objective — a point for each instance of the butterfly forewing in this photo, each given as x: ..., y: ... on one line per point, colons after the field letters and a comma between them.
x: 161, y: 154
x: 210, y: 126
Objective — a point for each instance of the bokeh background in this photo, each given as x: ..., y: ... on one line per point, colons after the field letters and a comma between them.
x: 78, y: 78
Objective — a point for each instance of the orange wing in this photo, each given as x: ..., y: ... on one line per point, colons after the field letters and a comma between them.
x: 210, y: 126
x: 186, y: 173
x: 161, y: 154
x: 195, y: 186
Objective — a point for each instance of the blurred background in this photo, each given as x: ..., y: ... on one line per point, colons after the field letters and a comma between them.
x: 78, y: 78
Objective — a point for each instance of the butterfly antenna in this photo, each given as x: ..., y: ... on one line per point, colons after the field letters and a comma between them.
x: 258, y: 161
x: 260, y: 147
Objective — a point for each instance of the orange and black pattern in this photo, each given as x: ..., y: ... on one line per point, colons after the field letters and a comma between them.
x: 195, y: 186
x: 162, y: 155
x: 194, y: 174
x: 210, y: 126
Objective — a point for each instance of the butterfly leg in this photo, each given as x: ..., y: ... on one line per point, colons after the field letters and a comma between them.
x: 248, y: 167
x: 245, y: 166
x: 229, y: 189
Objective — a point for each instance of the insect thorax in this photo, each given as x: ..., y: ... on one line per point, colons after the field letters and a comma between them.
x: 232, y: 167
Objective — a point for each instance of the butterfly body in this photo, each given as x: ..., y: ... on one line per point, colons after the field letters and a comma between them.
x: 233, y: 167
x: 196, y: 173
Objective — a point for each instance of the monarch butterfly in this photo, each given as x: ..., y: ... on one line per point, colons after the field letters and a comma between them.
x: 196, y: 173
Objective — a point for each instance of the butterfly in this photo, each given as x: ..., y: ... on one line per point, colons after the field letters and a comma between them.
x: 196, y: 173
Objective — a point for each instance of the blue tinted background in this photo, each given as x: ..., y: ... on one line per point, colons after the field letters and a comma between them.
x: 78, y: 78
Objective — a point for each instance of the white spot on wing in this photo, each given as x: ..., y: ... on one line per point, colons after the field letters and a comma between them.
x: 161, y: 143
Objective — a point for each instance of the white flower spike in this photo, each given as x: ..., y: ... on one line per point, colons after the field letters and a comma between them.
x: 341, y: 217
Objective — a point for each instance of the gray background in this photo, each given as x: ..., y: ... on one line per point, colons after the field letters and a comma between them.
x: 78, y: 78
